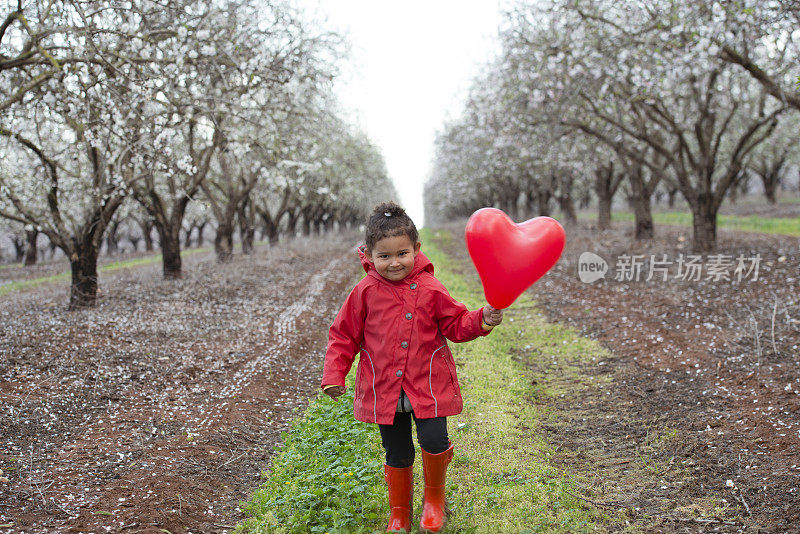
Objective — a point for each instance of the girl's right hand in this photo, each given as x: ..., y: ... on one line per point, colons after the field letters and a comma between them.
x: 492, y: 316
x: 335, y: 391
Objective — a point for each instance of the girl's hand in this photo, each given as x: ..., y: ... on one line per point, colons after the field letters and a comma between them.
x: 492, y: 316
x: 335, y: 391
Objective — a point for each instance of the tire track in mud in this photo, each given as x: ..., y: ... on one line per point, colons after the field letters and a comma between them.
x: 283, y: 328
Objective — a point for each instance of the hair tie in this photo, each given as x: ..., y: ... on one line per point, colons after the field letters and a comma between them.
x: 388, y: 214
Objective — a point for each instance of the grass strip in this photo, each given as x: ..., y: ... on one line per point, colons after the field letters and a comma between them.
x: 749, y: 223
x: 501, y: 478
x: 327, y: 476
x: 19, y: 285
x: 113, y: 266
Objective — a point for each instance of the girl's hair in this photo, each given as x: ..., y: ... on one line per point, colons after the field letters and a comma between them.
x: 389, y: 220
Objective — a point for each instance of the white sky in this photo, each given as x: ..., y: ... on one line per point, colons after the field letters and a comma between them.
x: 411, y: 65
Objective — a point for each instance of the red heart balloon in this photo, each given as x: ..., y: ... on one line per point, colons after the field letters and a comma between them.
x: 511, y: 257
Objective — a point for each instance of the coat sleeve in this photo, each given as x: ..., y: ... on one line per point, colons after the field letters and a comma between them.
x: 344, y: 339
x: 456, y: 322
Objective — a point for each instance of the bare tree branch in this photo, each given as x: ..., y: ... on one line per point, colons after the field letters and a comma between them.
x: 791, y: 98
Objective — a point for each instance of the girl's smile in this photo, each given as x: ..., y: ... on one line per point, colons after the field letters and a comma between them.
x: 393, y: 257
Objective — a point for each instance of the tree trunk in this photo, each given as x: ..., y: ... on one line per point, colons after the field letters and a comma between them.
x: 770, y: 181
x: 643, y: 218
x: 147, y: 234
x: 19, y: 248
x: 291, y: 224
x: 200, y: 230
x: 704, y: 223
x: 112, y: 240
x: 733, y: 194
x: 83, y: 262
x: 640, y: 200
x: 135, y: 242
x: 568, y: 209
x: 604, y: 212
x: 171, y: 262
x: 248, y: 238
x: 247, y: 230
x: 272, y: 235
x: 671, y: 194
x: 520, y: 206
x: 223, y: 242
x: 604, y: 187
x: 187, y: 239
x: 269, y: 228
x: 517, y: 206
x: 543, y: 202
x: 744, y: 185
x: 529, y: 204
x: 306, y: 226
x: 112, y: 245
x: 566, y: 202
x: 769, y: 192
x: 586, y: 199
x: 31, y: 250
x: 508, y: 205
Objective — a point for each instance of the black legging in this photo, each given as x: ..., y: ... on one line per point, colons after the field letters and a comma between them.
x: 396, y: 438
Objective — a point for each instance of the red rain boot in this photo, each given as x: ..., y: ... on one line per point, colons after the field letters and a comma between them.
x: 401, y: 487
x: 433, y: 503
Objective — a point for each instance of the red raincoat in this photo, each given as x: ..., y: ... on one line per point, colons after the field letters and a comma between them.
x: 399, y: 330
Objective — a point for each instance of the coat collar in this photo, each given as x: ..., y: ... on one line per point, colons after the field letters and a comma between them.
x: 421, y: 263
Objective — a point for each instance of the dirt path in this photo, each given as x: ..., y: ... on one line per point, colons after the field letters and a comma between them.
x: 157, y: 410
x: 699, y: 429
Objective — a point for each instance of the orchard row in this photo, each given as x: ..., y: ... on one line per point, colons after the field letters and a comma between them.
x: 651, y: 97
x: 162, y: 112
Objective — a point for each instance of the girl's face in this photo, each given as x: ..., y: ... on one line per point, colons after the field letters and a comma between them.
x: 394, y: 257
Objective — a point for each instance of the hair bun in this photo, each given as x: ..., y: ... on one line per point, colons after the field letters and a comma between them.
x: 389, y: 209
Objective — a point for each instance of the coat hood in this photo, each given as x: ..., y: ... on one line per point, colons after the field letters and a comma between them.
x: 421, y: 263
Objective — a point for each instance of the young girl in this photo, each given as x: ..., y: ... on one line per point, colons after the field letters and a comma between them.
x: 397, y: 319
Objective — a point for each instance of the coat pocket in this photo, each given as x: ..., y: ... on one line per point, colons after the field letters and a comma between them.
x: 359, y: 373
x: 441, y: 380
x: 365, y: 384
x: 447, y: 356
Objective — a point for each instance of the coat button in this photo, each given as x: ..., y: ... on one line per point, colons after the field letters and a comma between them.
x: 409, y: 316
x: 399, y: 373
x: 404, y: 344
x: 413, y: 285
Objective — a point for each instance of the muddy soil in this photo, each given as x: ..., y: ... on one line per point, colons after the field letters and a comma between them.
x: 157, y: 410
x: 694, y: 425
